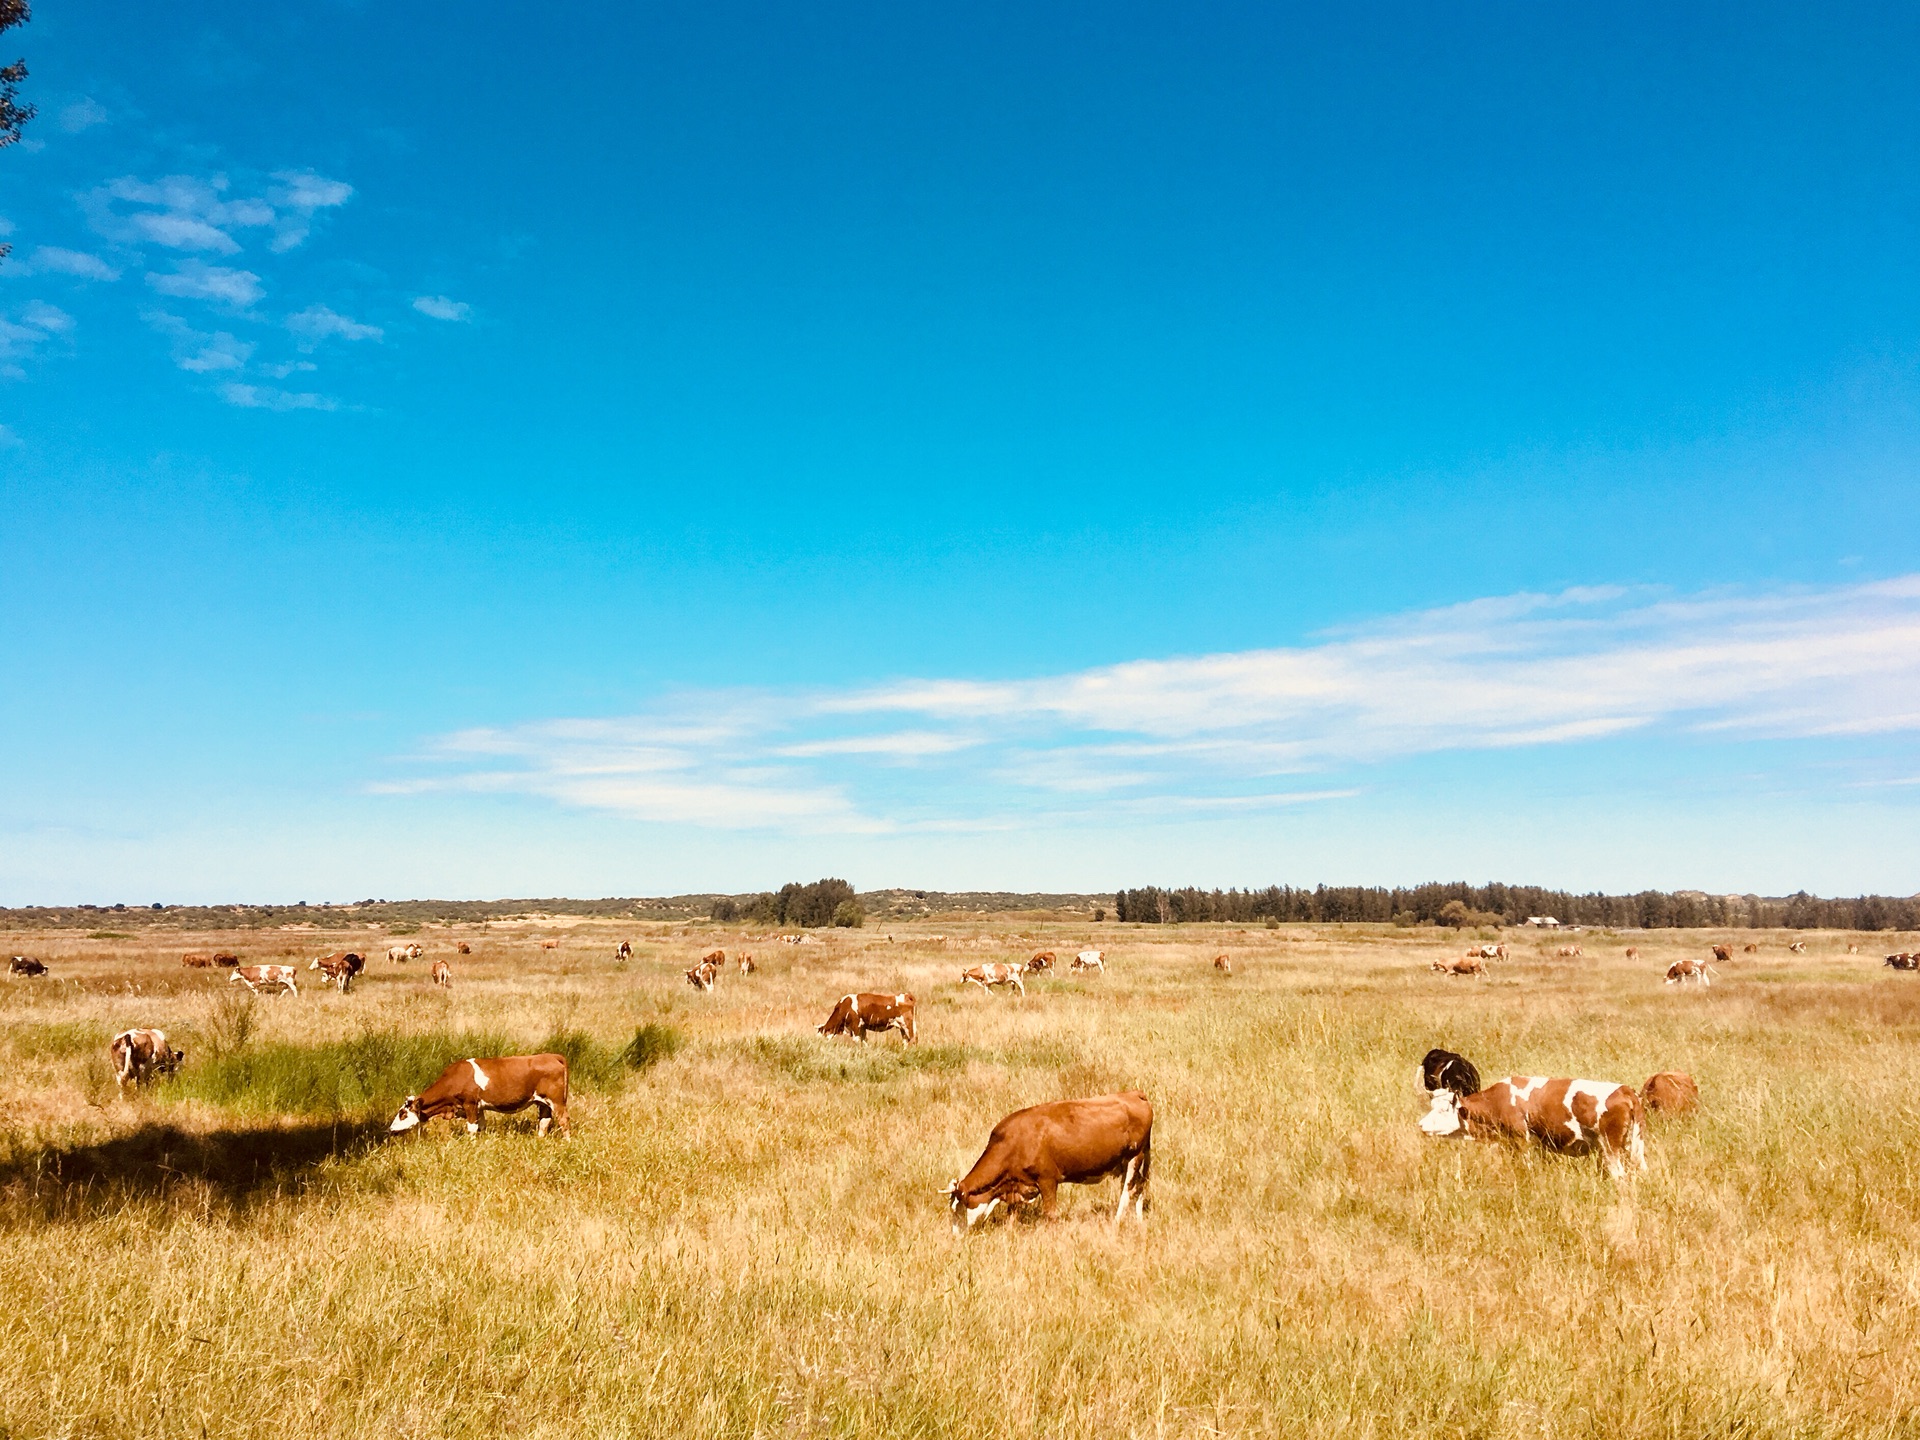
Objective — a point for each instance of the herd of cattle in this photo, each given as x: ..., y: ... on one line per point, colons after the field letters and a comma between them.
x: 1033, y: 1151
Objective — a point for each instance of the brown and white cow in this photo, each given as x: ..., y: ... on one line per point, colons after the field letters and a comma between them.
x: 1490, y: 952
x: 747, y: 967
x: 1571, y: 1116
x: 1903, y: 961
x: 1798, y: 947
x: 1089, y: 960
x: 1633, y: 952
x: 339, y: 968
x: 443, y: 974
x: 1032, y: 1152
x: 469, y: 1088
x: 1853, y: 949
x: 1751, y: 949
x: 1682, y: 971
x: 1723, y: 953
x: 400, y: 954
x: 1570, y: 952
x: 254, y: 976
x: 1042, y: 961
x: 856, y: 1015
x: 988, y: 976
x: 463, y: 948
x: 701, y: 976
x: 715, y: 958
x: 196, y: 960
x: 25, y: 965
x: 1224, y: 964
x: 140, y: 1054
x: 1671, y: 1092
x: 1465, y: 965
x: 624, y: 951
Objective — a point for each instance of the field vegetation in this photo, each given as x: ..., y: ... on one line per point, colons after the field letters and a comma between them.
x: 743, y: 1236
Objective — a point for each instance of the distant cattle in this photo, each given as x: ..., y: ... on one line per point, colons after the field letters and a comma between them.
x: 399, y: 954
x: 1682, y: 971
x: 140, y: 1054
x: 463, y: 948
x: 745, y: 963
x: 1853, y: 949
x: 469, y: 1088
x: 1570, y: 952
x: 1566, y: 1115
x: 225, y: 957
x: 1723, y: 953
x: 1490, y: 952
x: 1633, y: 952
x: 1043, y: 961
x: 1751, y: 949
x: 1444, y: 1070
x: 1903, y: 961
x: 1798, y: 947
x: 624, y: 951
x: 549, y: 944
x: 25, y: 965
x: 856, y: 1015
x: 701, y: 976
x: 255, y: 976
x: 340, y: 969
x: 1224, y: 964
x: 1032, y: 1152
x: 443, y: 974
x: 197, y: 960
x: 1671, y: 1092
x: 715, y: 958
x: 988, y: 976
x: 1089, y: 960
x: 1465, y: 965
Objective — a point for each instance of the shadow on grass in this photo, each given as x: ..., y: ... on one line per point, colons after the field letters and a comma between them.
x: 202, y: 1172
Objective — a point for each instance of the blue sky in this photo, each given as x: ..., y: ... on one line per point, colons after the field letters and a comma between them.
x: 463, y: 451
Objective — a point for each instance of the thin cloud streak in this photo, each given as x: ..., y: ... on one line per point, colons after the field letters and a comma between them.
x: 1208, y: 733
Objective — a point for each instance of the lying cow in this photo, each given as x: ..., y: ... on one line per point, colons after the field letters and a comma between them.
x: 138, y: 1055
x: 1903, y: 961
x: 339, y: 968
x: 400, y: 954
x: 701, y: 976
x: 198, y: 960
x: 1570, y: 952
x: 1043, y: 961
x: 1751, y: 949
x: 25, y: 965
x: 1571, y: 1116
x: 988, y: 976
x: 1465, y: 965
x: 1682, y: 971
x: 1723, y: 953
x: 505, y: 1083
x: 624, y: 952
x: 1032, y: 1152
x: 1671, y: 1092
x: 1089, y: 960
x: 463, y: 948
x: 254, y: 976
x: 1444, y: 1070
x: 856, y: 1015
x: 443, y: 974
x: 1798, y: 947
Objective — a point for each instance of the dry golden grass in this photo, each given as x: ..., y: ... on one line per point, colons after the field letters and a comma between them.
x: 745, y: 1239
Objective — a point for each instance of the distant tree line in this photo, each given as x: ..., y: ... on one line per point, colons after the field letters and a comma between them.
x: 1463, y: 904
x: 824, y: 902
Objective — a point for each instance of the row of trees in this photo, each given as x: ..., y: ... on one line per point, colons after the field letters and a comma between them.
x: 1460, y: 903
x: 824, y: 902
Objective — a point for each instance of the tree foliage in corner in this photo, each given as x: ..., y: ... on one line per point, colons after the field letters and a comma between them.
x: 13, y: 114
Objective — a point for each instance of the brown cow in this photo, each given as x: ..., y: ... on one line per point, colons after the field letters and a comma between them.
x: 443, y: 974
x: 988, y: 976
x: 715, y: 958
x: 1682, y: 971
x: 468, y: 1088
x: 855, y: 1015
x: 1465, y: 965
x: 625, y: 951
x: 1633, y: 952
x: 25, y: 965
x: 701, y: 976
x: 1723, y: 953
x: 196, y: 960
x: 1751, y: 949
x: 747, y: 967
x: 464, y: 948
x: 549, y: 944
x: 140, y: 1054
x: 1043, y: 961
x: 1032, y: 1152
x: 1561, y: 1114
x: 1903, y: 961
x: 339, y: 968
x: 1570, y: 952
x: 254, y: 976
x: 225, y: 957
x: 1671, y: 1092
x: 1224, y: 964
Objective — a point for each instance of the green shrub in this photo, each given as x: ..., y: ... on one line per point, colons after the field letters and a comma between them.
x: 848, y: 915
x: 651, y: 1043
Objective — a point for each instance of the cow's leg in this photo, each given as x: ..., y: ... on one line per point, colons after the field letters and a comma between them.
x: 545, y: 1107
x: 1126, y: 1180
x: 1049, y: 1197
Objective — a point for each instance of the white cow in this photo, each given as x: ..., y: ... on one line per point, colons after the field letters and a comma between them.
x: 1090, y: 960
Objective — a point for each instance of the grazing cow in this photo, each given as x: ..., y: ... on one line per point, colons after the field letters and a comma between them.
x: 1089, y: 960
x: 1465, y: 965
x: 1444, y: 1070
x: 1043, y: 961
x: 225, y: 957
x: 1671, y: 1092
x: 1633, y: 952
x: 1490, y: 952
x: 1903, y: 961
x: 625, y: 952
x: 1570, y: 952
x: 855, y: 1015
x: 1798, y: 947
x: 701, y: 976
x: 196, y: 960
x: 1853, y: 949
x: 1224, y: 964
x: 25, y: 965
x: 1723, y: 953
x: 549, y: 944
x: 254, y: 976
x: 443, y: 974
x: 468, y: 1088
x: 464, y: 948
x: 747, y: 967
x: 1751, y: 949
x: 1682, y: 971
x: 400, y: 954
x: 988, y: 976
x: 1561, y: 1114
x: 715, y: 958
x: 1032, y: 1152
x: 339, y: 969
x: 141, y: 1054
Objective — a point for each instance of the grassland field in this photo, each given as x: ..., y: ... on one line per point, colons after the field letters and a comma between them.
x: 743, y: 1235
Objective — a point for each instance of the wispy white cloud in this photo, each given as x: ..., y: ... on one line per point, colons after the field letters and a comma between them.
x: 439, y: 307
x: 317, y: 323
x: 267, y: 397
x: 26, y: 331
x: 1212, y: 731
x: 199, y: 352
x: 82, y: 114
x: 52, y: 260
x: 220, y: 284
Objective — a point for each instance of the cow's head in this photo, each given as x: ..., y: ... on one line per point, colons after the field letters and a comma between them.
x: 1443, y: 1115
x: 966, y: 1215
x: 171, y: 1058
x: 409, y: 1116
